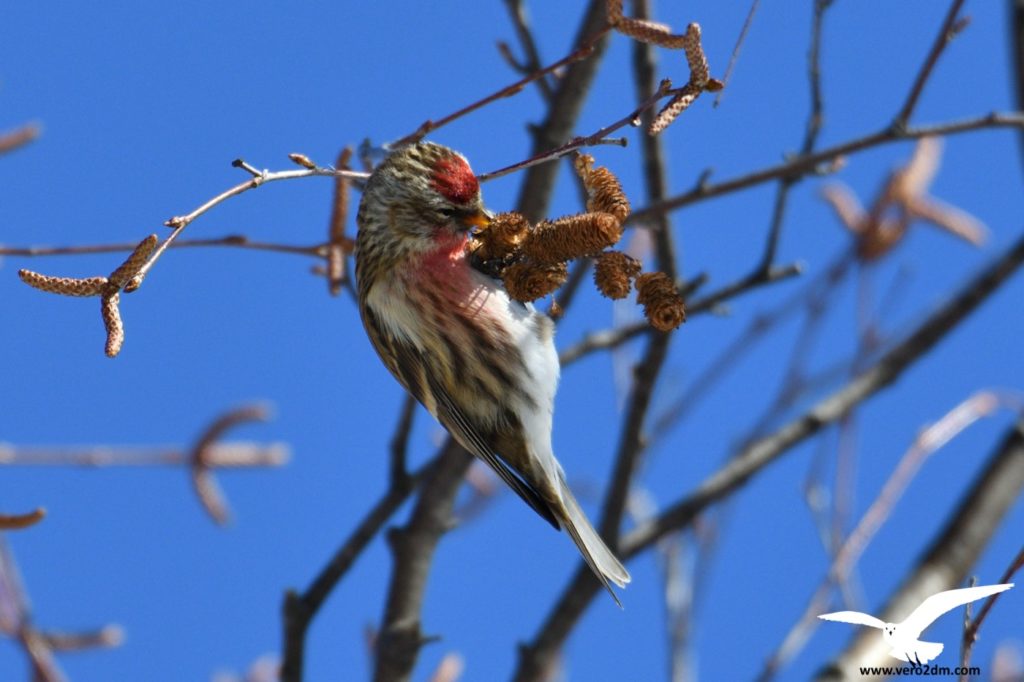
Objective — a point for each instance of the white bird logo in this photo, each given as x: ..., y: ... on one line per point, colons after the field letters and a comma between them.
x: 903, y: 637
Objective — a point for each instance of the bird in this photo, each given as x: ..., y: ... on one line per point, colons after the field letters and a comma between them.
x: 483, y: 364
x: 902, y: 638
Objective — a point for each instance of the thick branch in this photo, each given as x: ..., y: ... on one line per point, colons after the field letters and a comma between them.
x: 400, y: 637
x: 300, y: 609
x: 647, y: 370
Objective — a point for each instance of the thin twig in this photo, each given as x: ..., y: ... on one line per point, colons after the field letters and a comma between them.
x: 234, y: 240
x: 613, y: 338
x: 811, y: 132
x: 803, y: 164
x: 734, y: 57
x: 19, y: 137
x: 596, y: 138
x: 973, y: 625
x: 179, y: 223
x: 205, y: 456
x: 567, y: 292
x: 951, y: 26
x: 39, y: 646
x: 517, y: 13
x: 428, y: 126
x: 201, y: 469
x: 400, y: 441
x: 21, y: 521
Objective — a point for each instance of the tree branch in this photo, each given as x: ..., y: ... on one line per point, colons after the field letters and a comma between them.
x: 803, y: 164
x: 401, y: 637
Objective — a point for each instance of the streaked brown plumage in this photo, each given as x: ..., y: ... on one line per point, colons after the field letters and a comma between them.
x: 483, y: 364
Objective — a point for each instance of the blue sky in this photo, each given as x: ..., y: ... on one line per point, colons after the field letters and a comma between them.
x: 144, y: 107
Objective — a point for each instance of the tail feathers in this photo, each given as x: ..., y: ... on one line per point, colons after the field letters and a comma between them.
x: 601, y: 560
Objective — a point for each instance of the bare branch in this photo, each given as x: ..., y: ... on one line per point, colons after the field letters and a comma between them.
x: 803, y: 164
x: 209, y: 493
x: 20, y: 521
x: 19, y: 137
x: 972, y: 627
x: 627, y: 457
x: 401, y: 637
x: 179, y: 223
x: 951, y: 26
x: 517, y: 13
x: 300, y: 609
x: 585, y: 50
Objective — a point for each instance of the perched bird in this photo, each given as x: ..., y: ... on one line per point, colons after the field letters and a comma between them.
x: 483, y: 364
x: 902, y: 638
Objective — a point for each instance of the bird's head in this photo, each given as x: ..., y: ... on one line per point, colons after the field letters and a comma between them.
x: 420, y: 197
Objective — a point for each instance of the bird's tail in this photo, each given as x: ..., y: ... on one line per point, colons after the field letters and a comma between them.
x: 601, y: 560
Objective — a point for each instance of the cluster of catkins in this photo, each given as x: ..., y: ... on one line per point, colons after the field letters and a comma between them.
x: 532, y: 260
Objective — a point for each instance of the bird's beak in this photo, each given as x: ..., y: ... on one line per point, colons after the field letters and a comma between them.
x: 478, y: 219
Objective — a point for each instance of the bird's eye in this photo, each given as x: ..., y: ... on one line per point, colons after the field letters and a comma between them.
x: 449, y: 212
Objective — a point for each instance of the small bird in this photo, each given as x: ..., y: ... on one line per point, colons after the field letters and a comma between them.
x: 903, y: 637
x: 483, y: 364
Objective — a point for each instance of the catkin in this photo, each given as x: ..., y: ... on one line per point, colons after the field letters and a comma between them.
x: 663, y: 306
x: 586, y: 234
x: 527, y: 281
x: 614, y: 272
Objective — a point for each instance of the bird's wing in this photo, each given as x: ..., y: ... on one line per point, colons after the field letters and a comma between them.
x: 938, y: 604
x: 854, y: 618
x: 409, y: 366
x: 454, y: 419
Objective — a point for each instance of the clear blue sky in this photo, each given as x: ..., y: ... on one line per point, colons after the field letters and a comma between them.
x: 144, y: 106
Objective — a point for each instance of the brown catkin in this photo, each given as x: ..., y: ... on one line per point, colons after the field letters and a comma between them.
x: 131, y: 266
x: 614, y: 272
x: 604, y: 191
x: 112, y: 321
x: 68, y: 286
x: 695, y: 57
x: 586, y: 234
x: 675, y: 106
x: 501, y: 238
x: 527, y: 281
x: 614, y: 11
x: 663, y: 306
x: 652, y: 32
